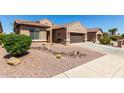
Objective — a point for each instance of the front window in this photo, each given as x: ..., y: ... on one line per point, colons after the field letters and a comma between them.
x: 34, y: 34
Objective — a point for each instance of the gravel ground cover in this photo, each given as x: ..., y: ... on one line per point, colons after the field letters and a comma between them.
x: 40, y: 64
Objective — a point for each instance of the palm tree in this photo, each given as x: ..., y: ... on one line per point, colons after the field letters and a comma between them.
x: 113, y: 31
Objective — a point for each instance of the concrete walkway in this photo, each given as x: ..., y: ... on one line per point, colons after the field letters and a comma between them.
x: 109, y: 66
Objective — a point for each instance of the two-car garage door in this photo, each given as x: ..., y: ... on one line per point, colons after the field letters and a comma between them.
x: 76, y: 37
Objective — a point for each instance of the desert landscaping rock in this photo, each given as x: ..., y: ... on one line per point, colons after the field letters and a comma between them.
x: 58, y: 56
x: 40, y: 64
x: 13, y: 61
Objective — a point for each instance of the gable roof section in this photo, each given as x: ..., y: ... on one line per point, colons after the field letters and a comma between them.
x: 1, y: 29
x: 50, y: 23
x: 94, y: 30
x: 30, y: 23
x: 76, y: 27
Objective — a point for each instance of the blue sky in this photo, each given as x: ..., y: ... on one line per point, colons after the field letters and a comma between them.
x: 90, y: 21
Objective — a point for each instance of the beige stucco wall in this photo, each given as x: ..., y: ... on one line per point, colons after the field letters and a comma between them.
x: 25, y: 32
x: 43, y: 35
x: 99, y: 32
x: 99, y: 35
x: 59, y: 34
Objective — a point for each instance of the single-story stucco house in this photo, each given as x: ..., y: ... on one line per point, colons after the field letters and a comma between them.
x: 46, y: 31
x: 1, y: 29
x: 94, y: 34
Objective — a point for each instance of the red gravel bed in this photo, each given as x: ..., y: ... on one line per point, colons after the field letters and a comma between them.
x: 39, y: 64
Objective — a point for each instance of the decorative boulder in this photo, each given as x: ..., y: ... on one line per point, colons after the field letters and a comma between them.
x: 13, y: 61
x: 75, y: 52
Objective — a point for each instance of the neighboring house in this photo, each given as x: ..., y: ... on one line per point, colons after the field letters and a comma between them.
x: 1, y: 29
x: 94, y: 34
x: 45, y: 31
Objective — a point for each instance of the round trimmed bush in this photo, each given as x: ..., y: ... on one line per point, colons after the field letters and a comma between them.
x: 16, y: 44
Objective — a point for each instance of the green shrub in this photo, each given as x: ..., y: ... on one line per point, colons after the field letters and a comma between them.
x: 105, y: 34
x: 16, y: 44
x: 105, y: 41
x: 114, y: 38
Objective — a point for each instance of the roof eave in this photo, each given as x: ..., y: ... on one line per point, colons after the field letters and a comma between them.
x: 32, y: 25
x: 59, y: 28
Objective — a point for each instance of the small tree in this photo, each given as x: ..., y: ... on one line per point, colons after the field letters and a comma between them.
x: 105, y: 40
x: 113, y: 31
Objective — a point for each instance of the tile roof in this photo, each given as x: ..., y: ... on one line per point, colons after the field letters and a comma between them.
x: 33, y: 23
x: 37, y: 23
x: 94, y: 29
x: 57, y: 27
x: 69, y: 24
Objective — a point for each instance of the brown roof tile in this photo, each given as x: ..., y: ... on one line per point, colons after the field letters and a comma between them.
x: 24, y: 22
x: 94, y: 30
x: 57, y: 27
x: 69, y: 24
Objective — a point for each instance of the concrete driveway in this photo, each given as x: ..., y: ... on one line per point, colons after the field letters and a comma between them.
x: 109, y: 66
